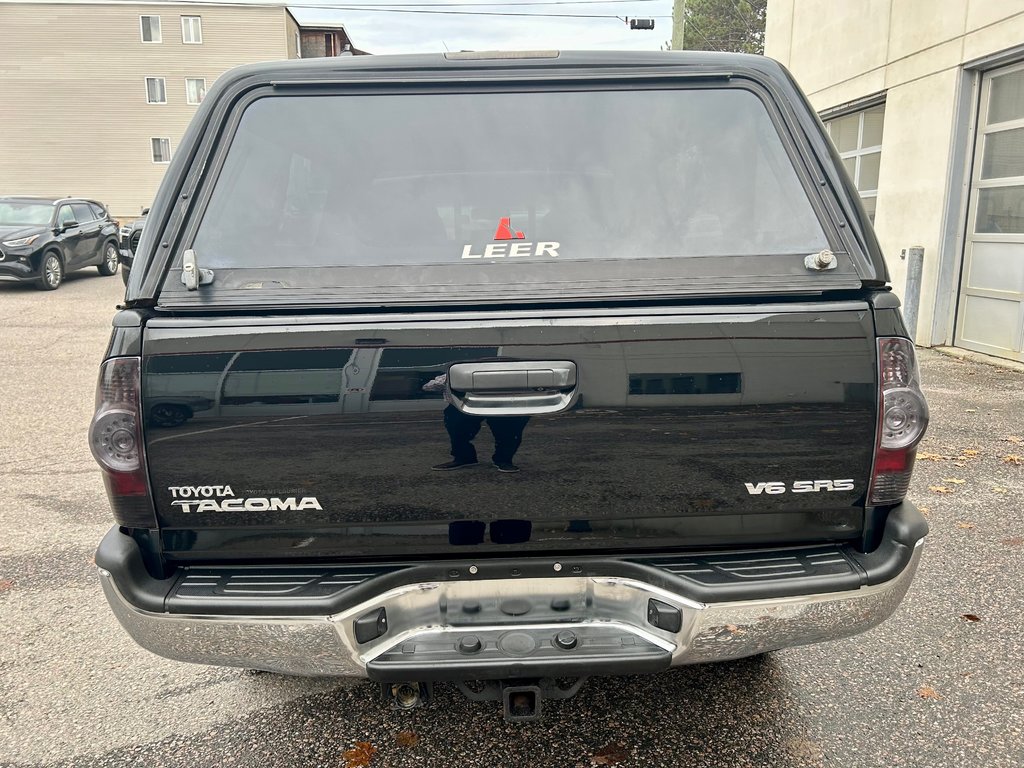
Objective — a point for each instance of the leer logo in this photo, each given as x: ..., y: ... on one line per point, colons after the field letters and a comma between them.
x: 501, y: 250
x: 504, y: 231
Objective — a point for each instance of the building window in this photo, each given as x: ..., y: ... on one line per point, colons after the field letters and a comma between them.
x: 161, y: 150
x: 195, y: 89
x: 858, y: 137
x: 156, y: 90
x: 1000, y: 182
x: 192, y: 29
x: 150, y: 29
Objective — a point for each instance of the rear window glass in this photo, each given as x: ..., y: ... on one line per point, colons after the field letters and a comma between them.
x: 414, y: 179
x: 454, y: 196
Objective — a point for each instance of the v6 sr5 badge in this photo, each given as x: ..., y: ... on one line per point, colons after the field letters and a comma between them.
x: 799, y: 486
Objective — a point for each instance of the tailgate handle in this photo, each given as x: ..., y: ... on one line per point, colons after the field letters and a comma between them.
x: 515, y: 388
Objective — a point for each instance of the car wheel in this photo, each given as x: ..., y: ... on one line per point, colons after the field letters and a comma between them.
x: 109, y: 265
x: 52, y: 273
x: 169, y: 415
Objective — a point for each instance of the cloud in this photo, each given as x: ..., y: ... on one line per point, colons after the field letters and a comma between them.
x: 383, y: 32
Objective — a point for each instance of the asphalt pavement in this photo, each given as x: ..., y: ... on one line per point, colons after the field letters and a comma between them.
x: 939, y: 684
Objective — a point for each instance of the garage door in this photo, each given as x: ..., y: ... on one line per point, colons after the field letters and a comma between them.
x: 990, y: 315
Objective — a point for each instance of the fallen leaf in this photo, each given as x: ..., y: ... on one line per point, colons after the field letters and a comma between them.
x: 939, y: 489
x: 5, y: 584
x: 925, y: 456
x: 964, y: 524
x: 407, y: 739
x: 1014, y: 439
x: 924, y: 511
x: 971, y: 410
x: 970, y: 452
x: 953, y: 480
x: 959, y: 464
x: 613, y: 754
x: 360, y: 755
x: 998, y: 489
x: 927, y: 692
x: 1013, y: 541
x: 1013, y: 459
x: 970, y: 617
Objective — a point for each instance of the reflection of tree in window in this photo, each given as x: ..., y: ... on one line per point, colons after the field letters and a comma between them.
x: 402, y: 373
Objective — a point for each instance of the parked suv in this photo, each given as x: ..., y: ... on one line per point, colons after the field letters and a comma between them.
x: 42, y: 239
x: 130, y: 235
x: 518, y: 369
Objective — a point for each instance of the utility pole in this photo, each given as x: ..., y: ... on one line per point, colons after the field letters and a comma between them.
x: 678, y: 24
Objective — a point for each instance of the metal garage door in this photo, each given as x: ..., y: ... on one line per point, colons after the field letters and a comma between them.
x: 990, y: 315
x: 990, y: 312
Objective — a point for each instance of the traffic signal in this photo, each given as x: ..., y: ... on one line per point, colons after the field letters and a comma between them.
x: 641, y: 23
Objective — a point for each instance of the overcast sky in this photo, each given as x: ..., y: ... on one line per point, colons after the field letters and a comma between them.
x: 385, y: 32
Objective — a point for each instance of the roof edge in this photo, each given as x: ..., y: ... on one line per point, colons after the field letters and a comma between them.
x: 164, y: 3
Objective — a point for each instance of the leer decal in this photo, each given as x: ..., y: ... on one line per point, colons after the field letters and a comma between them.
x: 501, y: 249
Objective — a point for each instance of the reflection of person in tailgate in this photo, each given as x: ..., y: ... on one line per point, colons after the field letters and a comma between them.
x: 463, y: 428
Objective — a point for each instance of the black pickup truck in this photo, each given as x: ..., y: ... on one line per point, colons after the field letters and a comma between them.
x: 645, y: 274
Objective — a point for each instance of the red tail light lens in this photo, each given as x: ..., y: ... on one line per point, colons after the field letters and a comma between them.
x: 115, y: 438
x: 902, y: 420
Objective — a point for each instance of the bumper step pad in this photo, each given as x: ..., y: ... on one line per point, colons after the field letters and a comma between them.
x: 500, y: 653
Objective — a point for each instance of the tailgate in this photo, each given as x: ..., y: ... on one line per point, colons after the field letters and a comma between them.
x: 318, y: 437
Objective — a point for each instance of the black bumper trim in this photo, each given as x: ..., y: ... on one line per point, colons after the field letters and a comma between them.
x: 210, y: 594
x: 18, y: 270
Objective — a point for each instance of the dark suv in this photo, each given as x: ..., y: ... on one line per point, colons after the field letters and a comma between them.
x: 130, y: 235
x: 515, y: 369
x: 44, y: 238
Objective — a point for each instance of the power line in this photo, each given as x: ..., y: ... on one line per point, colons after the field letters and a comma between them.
x: 368, y: 9
x: 741, y: 17
x: 513, y: 5
x: 690, y: 23
x: 430, y: 8
x: 376, y: 9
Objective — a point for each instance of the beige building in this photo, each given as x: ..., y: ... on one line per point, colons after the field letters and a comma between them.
x: 98, y: 94
x: 924, y: 99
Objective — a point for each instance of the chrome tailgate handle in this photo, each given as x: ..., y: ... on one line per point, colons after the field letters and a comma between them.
x: 514, y: 388
x: 529, y: 375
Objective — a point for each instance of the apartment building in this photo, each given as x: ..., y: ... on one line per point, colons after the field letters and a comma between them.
x: 924, y: 100
x: 98, y: 94
x: 325, y: 39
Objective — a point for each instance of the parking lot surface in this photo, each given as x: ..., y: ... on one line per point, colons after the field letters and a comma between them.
x: 939, y: 684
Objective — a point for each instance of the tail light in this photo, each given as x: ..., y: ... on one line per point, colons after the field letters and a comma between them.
x: 115, y: 438
x: 902, y: 420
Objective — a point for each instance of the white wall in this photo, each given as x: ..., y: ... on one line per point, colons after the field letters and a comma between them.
x: 914, y: 51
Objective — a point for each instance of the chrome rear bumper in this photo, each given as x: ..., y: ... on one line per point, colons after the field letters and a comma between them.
x: 448, y: 630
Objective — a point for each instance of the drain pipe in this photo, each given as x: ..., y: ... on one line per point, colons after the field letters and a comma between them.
x: 912, y: 293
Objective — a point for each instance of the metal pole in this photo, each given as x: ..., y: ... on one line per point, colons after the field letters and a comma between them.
x: 678, y: 24
x: 912, y: 293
